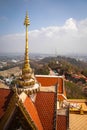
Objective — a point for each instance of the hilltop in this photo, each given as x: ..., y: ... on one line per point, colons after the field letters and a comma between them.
x: 73, y: 70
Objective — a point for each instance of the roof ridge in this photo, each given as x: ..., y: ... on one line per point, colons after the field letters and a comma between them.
x: 23, y: 96
x: 26, y: 114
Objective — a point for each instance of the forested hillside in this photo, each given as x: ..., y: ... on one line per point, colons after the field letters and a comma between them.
x: 74, y: 71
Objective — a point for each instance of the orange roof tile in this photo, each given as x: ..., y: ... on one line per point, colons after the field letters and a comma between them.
x: 61, y: 122
x: 45, y: 102
x: 5, y: 96
x: 51, y: 81
x: 61, y: 97
x: 32, y: 112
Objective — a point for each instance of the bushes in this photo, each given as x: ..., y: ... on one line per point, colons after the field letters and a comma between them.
x: 44, y: 70
x: 1, y: 77
x: 74, y: 90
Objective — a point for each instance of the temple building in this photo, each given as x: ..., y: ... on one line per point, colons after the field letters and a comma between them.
x: 37, y: 102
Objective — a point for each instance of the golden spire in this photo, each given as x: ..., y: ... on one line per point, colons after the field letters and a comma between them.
x: 26, y: 67
x: 26, y: 22
x: 27, y: 75
x: 27, y: 82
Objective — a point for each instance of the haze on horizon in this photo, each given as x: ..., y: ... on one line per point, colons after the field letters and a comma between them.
x: 56, y: 26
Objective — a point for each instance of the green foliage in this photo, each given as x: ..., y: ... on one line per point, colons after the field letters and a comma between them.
x: 13, y: 82
x: 53, y: 64
x: 44, y: 70
x: 74, y: 91
x: 84, y: 72
x: 66, y: 64
x: 1, y: 77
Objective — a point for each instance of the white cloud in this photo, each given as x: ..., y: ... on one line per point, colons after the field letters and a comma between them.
x: 12, y: 43
x: 70, y: 24
x: 69, y: 38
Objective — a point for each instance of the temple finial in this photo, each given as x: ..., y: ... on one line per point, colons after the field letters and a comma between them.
x: 26, y: 67
x: 27, y: 81
x: 26, y: 22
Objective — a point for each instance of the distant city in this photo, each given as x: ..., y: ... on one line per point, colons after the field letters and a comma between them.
x: 18, y: 56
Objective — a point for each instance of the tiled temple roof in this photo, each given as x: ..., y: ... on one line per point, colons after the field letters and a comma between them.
x: 50, y: 81
x: 61, y: 122
x: 5, y: 96
x: 47, y: 81
x: 45, y: 106
x: 31, y: 109
x: 41, y: 111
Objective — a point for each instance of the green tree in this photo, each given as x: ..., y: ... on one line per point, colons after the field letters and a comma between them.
x: 42, y: 70
x: 1, y: 77
x: 74, y: 91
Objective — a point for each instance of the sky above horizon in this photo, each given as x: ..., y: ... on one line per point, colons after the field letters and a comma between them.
x: 56, y: 26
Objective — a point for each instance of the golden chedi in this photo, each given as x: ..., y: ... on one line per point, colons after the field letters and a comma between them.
x: 27, y: 81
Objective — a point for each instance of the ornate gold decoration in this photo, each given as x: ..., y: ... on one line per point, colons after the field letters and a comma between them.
x: 27, y: 82
x: 26, y: 115
x: 27, y: 79
x: 26, y: 70
x: 16, y: 101
x: 9, y: 110
x: 26, y: 67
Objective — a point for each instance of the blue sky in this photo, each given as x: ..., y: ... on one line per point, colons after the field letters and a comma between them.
x: 55, y: 24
